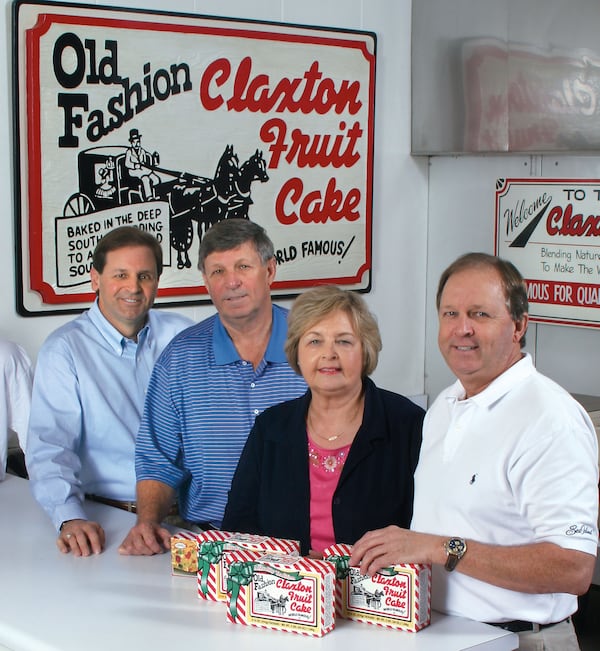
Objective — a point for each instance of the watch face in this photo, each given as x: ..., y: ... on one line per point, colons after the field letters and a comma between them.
x: 456, y: 546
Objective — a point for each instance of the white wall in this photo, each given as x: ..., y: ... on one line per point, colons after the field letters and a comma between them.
x: 400, y: 192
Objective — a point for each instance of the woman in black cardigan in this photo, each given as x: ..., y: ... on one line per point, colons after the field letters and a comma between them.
x: 339, y: 461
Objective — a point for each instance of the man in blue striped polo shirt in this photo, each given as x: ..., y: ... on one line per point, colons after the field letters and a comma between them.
x: 208, y: 387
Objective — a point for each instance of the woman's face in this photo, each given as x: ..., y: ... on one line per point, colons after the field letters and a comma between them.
x: 330, y: 355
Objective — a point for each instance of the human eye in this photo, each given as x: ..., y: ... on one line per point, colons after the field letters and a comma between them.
x: 344, y: 342
x: 449, y: 314
x: 479, y: 314
x: 146, y: 276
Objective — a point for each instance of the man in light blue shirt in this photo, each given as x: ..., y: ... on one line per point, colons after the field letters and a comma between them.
x: 89, y: 389
x: 208, y: 387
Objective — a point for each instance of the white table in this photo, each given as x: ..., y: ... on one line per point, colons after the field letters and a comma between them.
x: 56, y: 602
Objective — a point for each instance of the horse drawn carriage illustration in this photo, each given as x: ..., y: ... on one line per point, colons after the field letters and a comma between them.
x: 276, y: 604
x: 105, y: 182
x: 372, y: 599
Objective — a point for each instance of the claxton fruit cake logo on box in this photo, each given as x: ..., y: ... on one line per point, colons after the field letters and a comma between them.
x: 550, y: 230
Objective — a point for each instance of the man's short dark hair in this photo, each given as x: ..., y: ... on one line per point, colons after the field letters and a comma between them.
x: 229, y: 234
x: 515, y: 288
x: 124, y: 236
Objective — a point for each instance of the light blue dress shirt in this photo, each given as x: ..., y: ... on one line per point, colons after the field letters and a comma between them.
x: 88, y: 396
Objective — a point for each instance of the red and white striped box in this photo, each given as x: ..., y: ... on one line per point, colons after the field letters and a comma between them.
x: 395, y: 597
x: 184, y: 554
x: 212, y: 568
x: 284, y: 593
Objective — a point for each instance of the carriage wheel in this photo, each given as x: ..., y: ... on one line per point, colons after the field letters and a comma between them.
x: 78, y: 204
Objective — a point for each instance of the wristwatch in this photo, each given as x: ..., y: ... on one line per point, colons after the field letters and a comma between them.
x: 455, y: 548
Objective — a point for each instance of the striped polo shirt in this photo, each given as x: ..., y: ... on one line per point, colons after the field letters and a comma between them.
x: 200, y: 407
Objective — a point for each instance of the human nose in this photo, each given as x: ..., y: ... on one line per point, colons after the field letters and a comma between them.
x: 464, y: 325
x: 232, y: 279
x: 133, y: 284
x: 329, y: 350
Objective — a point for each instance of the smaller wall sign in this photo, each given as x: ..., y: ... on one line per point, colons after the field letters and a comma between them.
x: 550, y: 230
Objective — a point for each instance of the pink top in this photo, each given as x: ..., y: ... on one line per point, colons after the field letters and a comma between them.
x: 325, y: 467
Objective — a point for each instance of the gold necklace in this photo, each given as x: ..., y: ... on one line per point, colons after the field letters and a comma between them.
x: 334, y: 437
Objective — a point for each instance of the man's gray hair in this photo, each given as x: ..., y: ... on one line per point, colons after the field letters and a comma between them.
x: 229, y: 234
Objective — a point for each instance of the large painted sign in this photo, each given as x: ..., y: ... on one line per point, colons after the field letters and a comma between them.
x: 172, y: 122
x: 550, y: 230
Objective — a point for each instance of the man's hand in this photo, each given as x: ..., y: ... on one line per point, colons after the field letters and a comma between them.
x: 82, y: 537
x: 392, y: 545
x: 146, y: 539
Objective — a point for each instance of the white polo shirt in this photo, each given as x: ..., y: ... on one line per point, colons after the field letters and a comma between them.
x: 513, y: 465
x: 15, y: 396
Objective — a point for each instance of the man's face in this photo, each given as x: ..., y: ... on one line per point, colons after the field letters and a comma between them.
x: 127, y: 288
x: 477, y: 336
x: 238, y: 282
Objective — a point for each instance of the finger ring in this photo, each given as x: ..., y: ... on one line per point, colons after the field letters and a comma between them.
x: 68, y: 535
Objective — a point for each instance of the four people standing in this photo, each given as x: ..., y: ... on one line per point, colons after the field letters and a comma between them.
x: 505, y: 490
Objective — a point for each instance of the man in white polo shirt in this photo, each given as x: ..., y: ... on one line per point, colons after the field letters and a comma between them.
x: 506, y: 490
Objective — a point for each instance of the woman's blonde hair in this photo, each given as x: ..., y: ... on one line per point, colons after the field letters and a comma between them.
x: 319, y: 302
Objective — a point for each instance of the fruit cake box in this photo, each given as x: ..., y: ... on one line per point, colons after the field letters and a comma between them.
x: 184, y: 554
x: 281, y: 592
x: 398, y: 596
x: 212, y: 564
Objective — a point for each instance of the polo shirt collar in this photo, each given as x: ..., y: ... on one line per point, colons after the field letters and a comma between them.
x: 226, y: 353
x: 499, y: 387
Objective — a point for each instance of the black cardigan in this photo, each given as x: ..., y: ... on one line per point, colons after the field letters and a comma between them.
x: 270, y: 491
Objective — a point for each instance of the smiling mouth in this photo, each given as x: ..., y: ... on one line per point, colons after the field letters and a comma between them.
x: 465, y: 348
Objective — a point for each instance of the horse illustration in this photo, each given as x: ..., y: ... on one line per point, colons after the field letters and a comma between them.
x: 254, y: 169
x: 204, y: 200
x: 278, y: 604
x: 373, y: 598
x: 207, y: 201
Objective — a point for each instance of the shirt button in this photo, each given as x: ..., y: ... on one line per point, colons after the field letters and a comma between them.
x: 244, y: 363
x: 256, y: 412
x: 252, y: 385
x: 337, y: 501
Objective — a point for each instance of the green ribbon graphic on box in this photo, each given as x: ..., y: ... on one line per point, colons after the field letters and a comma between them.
x: 388, y: 571
x: 342, y: 565
x: 210, y: 553
x: 240, y: 573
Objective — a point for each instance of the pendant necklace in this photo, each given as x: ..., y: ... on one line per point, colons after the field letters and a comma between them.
x: 334, y: 437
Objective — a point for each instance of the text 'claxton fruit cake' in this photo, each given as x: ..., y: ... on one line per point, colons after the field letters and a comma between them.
x: 398, y: 596
x: 286, y: 593
x: 212, y: 565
